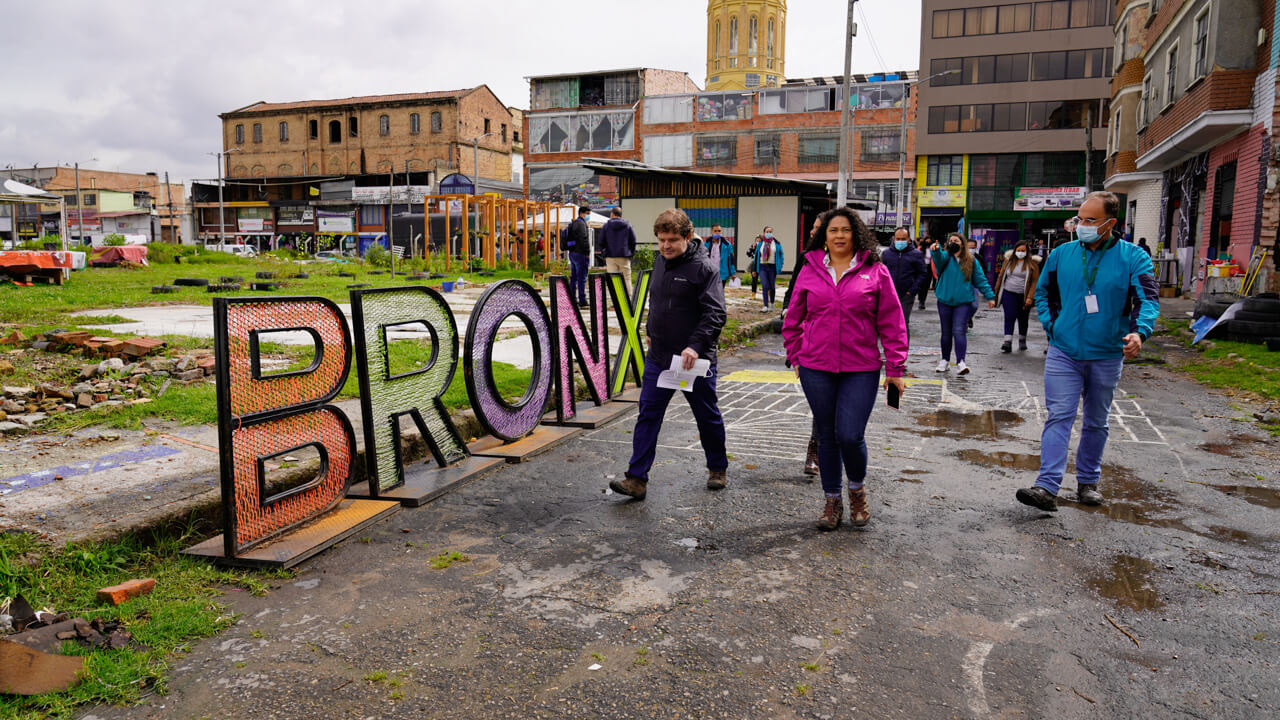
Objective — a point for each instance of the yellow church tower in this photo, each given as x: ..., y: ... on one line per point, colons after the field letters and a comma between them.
x: 746, y: 43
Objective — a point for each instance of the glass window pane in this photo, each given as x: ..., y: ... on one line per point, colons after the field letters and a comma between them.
x: 1044, y: 15
x: 1019, y: 64
x: 1035, y: 116
x: 1061, y: 14
x: 1075, y: 63
x: 1008, y: 18
x: 1023, y: 23
x: 973, y: 21
x: 988, y: 21
x: 1057, y: 66
x: 939, y: 24
x: 970, y: 74
x: 955, y: 23
x: 1040, y: 66
x: 935, y: 120
x: 982, y: 118
x: 1079, y: 13
x: 951, y: 119
x: 986, y: 69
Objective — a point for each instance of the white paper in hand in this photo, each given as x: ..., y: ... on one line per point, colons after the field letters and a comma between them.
x: 677, y: 378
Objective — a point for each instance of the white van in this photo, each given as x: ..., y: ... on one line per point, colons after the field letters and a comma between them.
x: 241, y: 250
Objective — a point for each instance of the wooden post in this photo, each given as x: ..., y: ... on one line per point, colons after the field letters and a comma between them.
x: 448, y: 235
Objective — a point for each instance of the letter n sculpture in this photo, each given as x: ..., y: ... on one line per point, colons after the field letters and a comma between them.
x: 573, y: 339
x: 263, y: 417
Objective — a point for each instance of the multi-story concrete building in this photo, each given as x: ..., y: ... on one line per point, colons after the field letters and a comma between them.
x: 431, y: 131
x: 746, y: 44
x: 1193, y: 118
x: 582, y: 116
x: 1011, y: 138
x: 107, y: 202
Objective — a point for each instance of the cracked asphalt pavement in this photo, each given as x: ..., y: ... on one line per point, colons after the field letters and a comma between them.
x: 955, y: 602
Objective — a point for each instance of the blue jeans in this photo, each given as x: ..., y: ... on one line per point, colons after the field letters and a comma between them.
x: 1015, y: 310
x: 841, y: 404
x: 955, y: 328
x: 653, y: 407
x: 1066, y: 382
x: 768, y: 279
x: 578, y: 266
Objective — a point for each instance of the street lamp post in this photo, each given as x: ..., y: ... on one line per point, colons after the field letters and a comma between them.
x: 846, y: 111
x: 902, y: 137
x: 222, y: 220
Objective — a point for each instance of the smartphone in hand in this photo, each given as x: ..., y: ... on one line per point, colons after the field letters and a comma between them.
x: 893, y: 396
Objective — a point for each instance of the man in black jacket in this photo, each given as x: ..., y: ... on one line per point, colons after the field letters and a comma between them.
x: 618, y: 239
x: 579, y: 246
x: 686, y: 314
x: 906, y: 265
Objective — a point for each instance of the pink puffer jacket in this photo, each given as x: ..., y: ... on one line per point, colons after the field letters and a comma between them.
x: 839, y: 327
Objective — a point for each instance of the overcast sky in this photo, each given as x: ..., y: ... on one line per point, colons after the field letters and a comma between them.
x: 137, y: 86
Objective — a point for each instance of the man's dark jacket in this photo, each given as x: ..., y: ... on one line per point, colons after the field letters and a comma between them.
x: 686, y: 306
x: 579, y: 240
x: 906, y: 267
x: 618, y: 238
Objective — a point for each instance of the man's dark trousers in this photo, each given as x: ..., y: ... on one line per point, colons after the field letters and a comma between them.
x: 578, y: 266
x: 653, y: 407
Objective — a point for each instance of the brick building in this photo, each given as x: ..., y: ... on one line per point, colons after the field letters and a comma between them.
x: 108, y: 201
x: 1192, y: 138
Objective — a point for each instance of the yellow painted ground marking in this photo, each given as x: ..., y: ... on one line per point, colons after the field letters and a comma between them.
x: 787, y: 377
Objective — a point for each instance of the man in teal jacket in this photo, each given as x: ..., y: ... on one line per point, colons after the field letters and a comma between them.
x: 1098, y: 301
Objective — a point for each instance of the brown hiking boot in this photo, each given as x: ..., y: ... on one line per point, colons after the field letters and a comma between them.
x: 832, y: 514
x: 716, y: 479
x: 859, y: 513
x: 811, y: 459
x: 633, y: 486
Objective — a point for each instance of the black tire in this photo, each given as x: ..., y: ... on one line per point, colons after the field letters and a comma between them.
x: 1273, y: 344
x: 264, y: 286
x: 377, y: 272
x: 1257, y: 329
x: 264, y: 275
x: 160, y: 289
x: 1209, y: 311
x: 301, y: 276
x: 346, y: 274
x: 1242, y: 338
x: 230, y: 279
x: 191, y: 282
x: 1261, y: 317
x: 436, y: 276
x: 1263, y: 306
x: 357, y: 286
x: 1212, y: 306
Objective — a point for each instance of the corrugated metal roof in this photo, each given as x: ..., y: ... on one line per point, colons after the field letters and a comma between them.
x: 266, y: 107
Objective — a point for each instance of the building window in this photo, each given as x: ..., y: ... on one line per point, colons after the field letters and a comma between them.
x: 515, y: 136
x: 436, y: 124
x: 980, y: 21
x: 240, y: 134
x: 353, y: 128
x: 90, y: 198
x: 370, y: 214
x: 504, y: 132
x: 769, y: 47
x: 1065, y: 114
x: 819, y: 149
x: 1000, y: 117
x: 1147, y: 104
x: 768, y: 150
x: 753, y: 44
x: 69, y: 199
x: 753, y: 80
x: 313, y: 129
x: 733, y: 41
x: 415, y: 123
x: 384, y: 125
x: 335, y: 131
x: 1171, y: 75
x: 486, y: 126
x: 284, y: 132
x: 880, y: 145
x: 716, y: 40
x: 670, y: 109
x: 944, y: 170
x: 257, y: 132
x: 1201, y: 48
x: 717, y: 151
x: 1014, y: 18
x: 1071, y: 64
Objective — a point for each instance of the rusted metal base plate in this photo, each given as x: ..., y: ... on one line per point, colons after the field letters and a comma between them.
x: 539, y: 441
x: 591, y: 417
x: 298, y: 544
x: 426, y: 482
x: 628, y: 396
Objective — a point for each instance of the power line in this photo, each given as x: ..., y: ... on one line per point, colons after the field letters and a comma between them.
x: 884, y: 68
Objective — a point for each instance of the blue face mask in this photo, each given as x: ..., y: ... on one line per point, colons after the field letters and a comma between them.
x: 900, y: 245
x: 1087, y: 234
x: 768, y: 236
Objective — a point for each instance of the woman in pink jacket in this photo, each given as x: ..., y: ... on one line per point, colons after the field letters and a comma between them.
x: 843, y: 309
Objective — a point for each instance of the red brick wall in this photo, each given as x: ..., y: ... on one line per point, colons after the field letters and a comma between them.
x: 1221, y: 90
x: 1130, y: 74
x: 1246, y: 151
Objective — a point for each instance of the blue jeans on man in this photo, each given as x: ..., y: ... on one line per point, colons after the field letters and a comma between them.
x: 841, y: 405
x: 1067, y: 381
x: 579, y: 264
x: 653, y: 408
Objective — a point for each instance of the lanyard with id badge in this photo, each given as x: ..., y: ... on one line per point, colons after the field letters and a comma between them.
x: 1090, y: 299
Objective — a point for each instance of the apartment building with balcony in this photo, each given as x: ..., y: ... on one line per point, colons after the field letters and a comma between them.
x: 1193, y: 145
x: 1012, y: 137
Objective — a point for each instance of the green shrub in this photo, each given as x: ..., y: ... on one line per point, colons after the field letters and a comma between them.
x: 113, y: 240
x: 641, y: 261
x: 169, y: 252
x: 378, y: 256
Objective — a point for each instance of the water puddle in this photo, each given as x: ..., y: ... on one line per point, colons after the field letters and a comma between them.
x: 949, y: 423
x: 916, y: 481
x: 1266, y: 497
x: 1128, y: 583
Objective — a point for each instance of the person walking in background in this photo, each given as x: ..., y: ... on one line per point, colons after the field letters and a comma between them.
x: 959, y: 274
x: 931, y: 277
x: 1142, y: 243
x: 578, y: 243
x: 1098, y: 302
x: 618, y: 240
x: 906, y: 267
x: 811, y: 454
x: 845, y: 309
x: 720, y: 250
x: 1015, y: 293
x: 769, y: 258
x: 686, y: 314
x: 751, y: 256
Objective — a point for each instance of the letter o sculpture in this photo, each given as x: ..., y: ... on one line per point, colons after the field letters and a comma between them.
x: 502, y: 419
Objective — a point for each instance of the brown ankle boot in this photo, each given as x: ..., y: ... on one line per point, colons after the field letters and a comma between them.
x: 832, y: 514
x: 629, y: 485
x: 859, y: 513
x: 811, y: 459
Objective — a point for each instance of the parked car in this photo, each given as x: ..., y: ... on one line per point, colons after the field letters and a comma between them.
x: 330, y: 256
x: 241, y: 250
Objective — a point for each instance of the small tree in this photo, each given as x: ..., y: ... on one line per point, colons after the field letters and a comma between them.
x: 113, y: 240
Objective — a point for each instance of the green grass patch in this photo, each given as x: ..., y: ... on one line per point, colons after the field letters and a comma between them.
x: 1257, y: 371
x: 446, y: 559
x: 185, y: 606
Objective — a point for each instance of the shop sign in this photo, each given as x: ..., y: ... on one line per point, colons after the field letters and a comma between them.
x: 296, y: 215
x: 940, y: 197
x: 412, y: 194
x: 1031, y: 199
x: 250, y: 224
x: 331, y: 222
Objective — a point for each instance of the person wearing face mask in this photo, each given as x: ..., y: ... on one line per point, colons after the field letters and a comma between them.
x: 906, y: 266
x: 720, y: 250
x: 1016, y: 290
x: 768, y: 259
x: 959, y: 274
x: 1098, y: 301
